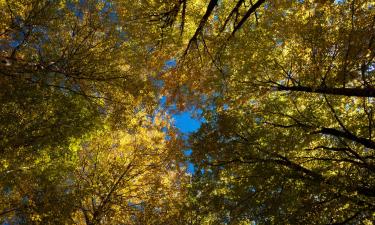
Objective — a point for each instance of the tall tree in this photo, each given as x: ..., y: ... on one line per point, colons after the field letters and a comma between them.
x: 68, y: 68
x: 289, y: 104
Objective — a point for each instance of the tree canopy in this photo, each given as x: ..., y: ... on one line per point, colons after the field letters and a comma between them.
x: 286, y: 90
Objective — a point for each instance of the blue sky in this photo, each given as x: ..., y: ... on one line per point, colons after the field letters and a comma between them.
x: 187, y: 124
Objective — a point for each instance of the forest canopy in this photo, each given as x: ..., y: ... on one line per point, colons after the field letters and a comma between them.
x: 285, y: 90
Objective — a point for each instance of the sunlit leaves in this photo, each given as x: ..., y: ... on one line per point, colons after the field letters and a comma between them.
x: 286, y: 89
x: 130, y: 176
x: 286, y: 112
